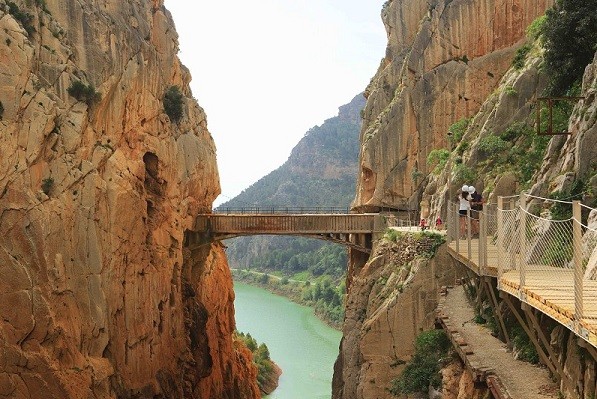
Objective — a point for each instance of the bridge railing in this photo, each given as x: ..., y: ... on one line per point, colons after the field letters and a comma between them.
x: 317, y: 210
x: 273, y: 210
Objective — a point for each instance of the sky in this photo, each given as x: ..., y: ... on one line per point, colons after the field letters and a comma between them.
x: 267, y: 71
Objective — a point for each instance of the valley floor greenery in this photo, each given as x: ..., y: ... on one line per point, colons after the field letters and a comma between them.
x: 321, y: 293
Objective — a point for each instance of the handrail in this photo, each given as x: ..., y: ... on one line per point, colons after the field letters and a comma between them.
x: 545, y: 241
x: 269, y: 210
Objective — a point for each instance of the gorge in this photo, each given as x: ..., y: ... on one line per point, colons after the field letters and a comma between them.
x: 100, y: 183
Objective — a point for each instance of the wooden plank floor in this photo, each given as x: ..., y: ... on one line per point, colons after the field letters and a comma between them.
x: 547, y: 289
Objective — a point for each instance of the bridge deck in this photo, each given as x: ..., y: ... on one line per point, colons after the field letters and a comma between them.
x: 288, y: 223
x: 355, y: 230
x: 548, y: 289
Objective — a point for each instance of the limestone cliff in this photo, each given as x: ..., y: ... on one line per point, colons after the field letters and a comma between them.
x: 390, y: 300
x: 558, y: 172
x: 98, y: 297
x: 442, y: 60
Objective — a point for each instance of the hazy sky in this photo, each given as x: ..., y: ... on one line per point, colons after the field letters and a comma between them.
x: 266, y: 71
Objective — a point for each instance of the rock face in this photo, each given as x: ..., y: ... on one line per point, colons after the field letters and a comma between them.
x: 98, y: 297
x: 442, y: 61
x: 572, y: 157
x: 390, y: 301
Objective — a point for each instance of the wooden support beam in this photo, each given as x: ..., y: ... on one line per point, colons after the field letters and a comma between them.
x: 497, y: 311
x: 523, y: 324
x: 537, y: 328
x: 480, y: 289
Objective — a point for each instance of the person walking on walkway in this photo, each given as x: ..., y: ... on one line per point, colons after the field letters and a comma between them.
x: 464, y: 207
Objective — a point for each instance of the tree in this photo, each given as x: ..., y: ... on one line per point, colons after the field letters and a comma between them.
x: 570, y: 41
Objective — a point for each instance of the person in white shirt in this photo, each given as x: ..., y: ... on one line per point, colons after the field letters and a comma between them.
x: 463, y: 208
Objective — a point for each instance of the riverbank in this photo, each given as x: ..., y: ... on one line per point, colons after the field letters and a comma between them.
x: 302, y: 345
x: 325, y: 300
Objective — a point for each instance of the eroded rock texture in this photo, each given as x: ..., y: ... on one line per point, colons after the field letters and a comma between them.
x: 442, y: 61
x: 390, y: 301
x: 97, y: 296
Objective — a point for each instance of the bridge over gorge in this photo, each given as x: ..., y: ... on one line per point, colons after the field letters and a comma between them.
x: 338, y: 225
x: 541, y: 255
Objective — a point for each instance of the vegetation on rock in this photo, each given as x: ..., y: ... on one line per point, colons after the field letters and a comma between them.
x: 173, y: 101
x: 266, y: 369
x: 83, y: 92
x: 438, y: 158
x: 47, y: 184
x: 24, y: 18
x: 424, y: 243
x: 1, y: 110
x: 521, y: 54
x: 432, y: 350
x: 456, y: 131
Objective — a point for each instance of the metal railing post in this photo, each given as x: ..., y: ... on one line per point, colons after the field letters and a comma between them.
x: 523, y: 244
x: 577, y: 257
x: 500, y: 239
x: 482, y: 243
x: 468, y: 234
x: 450, y: 224
x: 457, y: 217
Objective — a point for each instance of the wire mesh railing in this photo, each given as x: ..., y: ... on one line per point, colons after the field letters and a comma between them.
x: 533, y: 243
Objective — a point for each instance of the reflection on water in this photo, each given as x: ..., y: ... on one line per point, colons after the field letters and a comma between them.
x: 302, y: 345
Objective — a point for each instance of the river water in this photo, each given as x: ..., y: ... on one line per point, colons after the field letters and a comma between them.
x: 301, y: 344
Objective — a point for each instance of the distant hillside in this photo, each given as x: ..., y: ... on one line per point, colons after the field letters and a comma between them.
x: 321, y: 171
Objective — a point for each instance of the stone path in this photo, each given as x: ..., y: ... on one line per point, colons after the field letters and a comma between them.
x: 488, y: 355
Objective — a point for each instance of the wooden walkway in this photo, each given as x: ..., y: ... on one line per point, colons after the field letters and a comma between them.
x: 547, y: 289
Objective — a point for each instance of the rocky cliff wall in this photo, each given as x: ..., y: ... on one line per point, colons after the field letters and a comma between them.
x: 572, y: 157
x: 389, y: 302
x: 98, y: 298
x: 442, y: 61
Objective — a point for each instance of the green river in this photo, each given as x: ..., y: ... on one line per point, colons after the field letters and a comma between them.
x: 301, y: 344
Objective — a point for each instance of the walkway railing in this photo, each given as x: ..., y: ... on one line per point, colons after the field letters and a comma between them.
x: 541, y: 250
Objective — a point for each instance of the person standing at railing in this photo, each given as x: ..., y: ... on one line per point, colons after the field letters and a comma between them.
x: 476, y: 207
x: 464, y: 206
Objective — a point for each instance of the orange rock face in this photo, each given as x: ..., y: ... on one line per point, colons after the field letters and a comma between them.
x: 98, y: 297
x: 442, y: 61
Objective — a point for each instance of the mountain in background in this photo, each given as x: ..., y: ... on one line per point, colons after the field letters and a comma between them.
x: 320, y: 172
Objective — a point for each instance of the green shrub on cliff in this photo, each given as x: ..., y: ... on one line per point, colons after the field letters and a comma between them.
x: 24, y: 18
x: 521, y: 55
x: 47, y: 184
x: 261, y: 358
x: 1, y: 110
x: 438, y: 158
x: 83, y: 92
x: 456, y: 131
x: 173, y: 103
x: 432, y: 349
